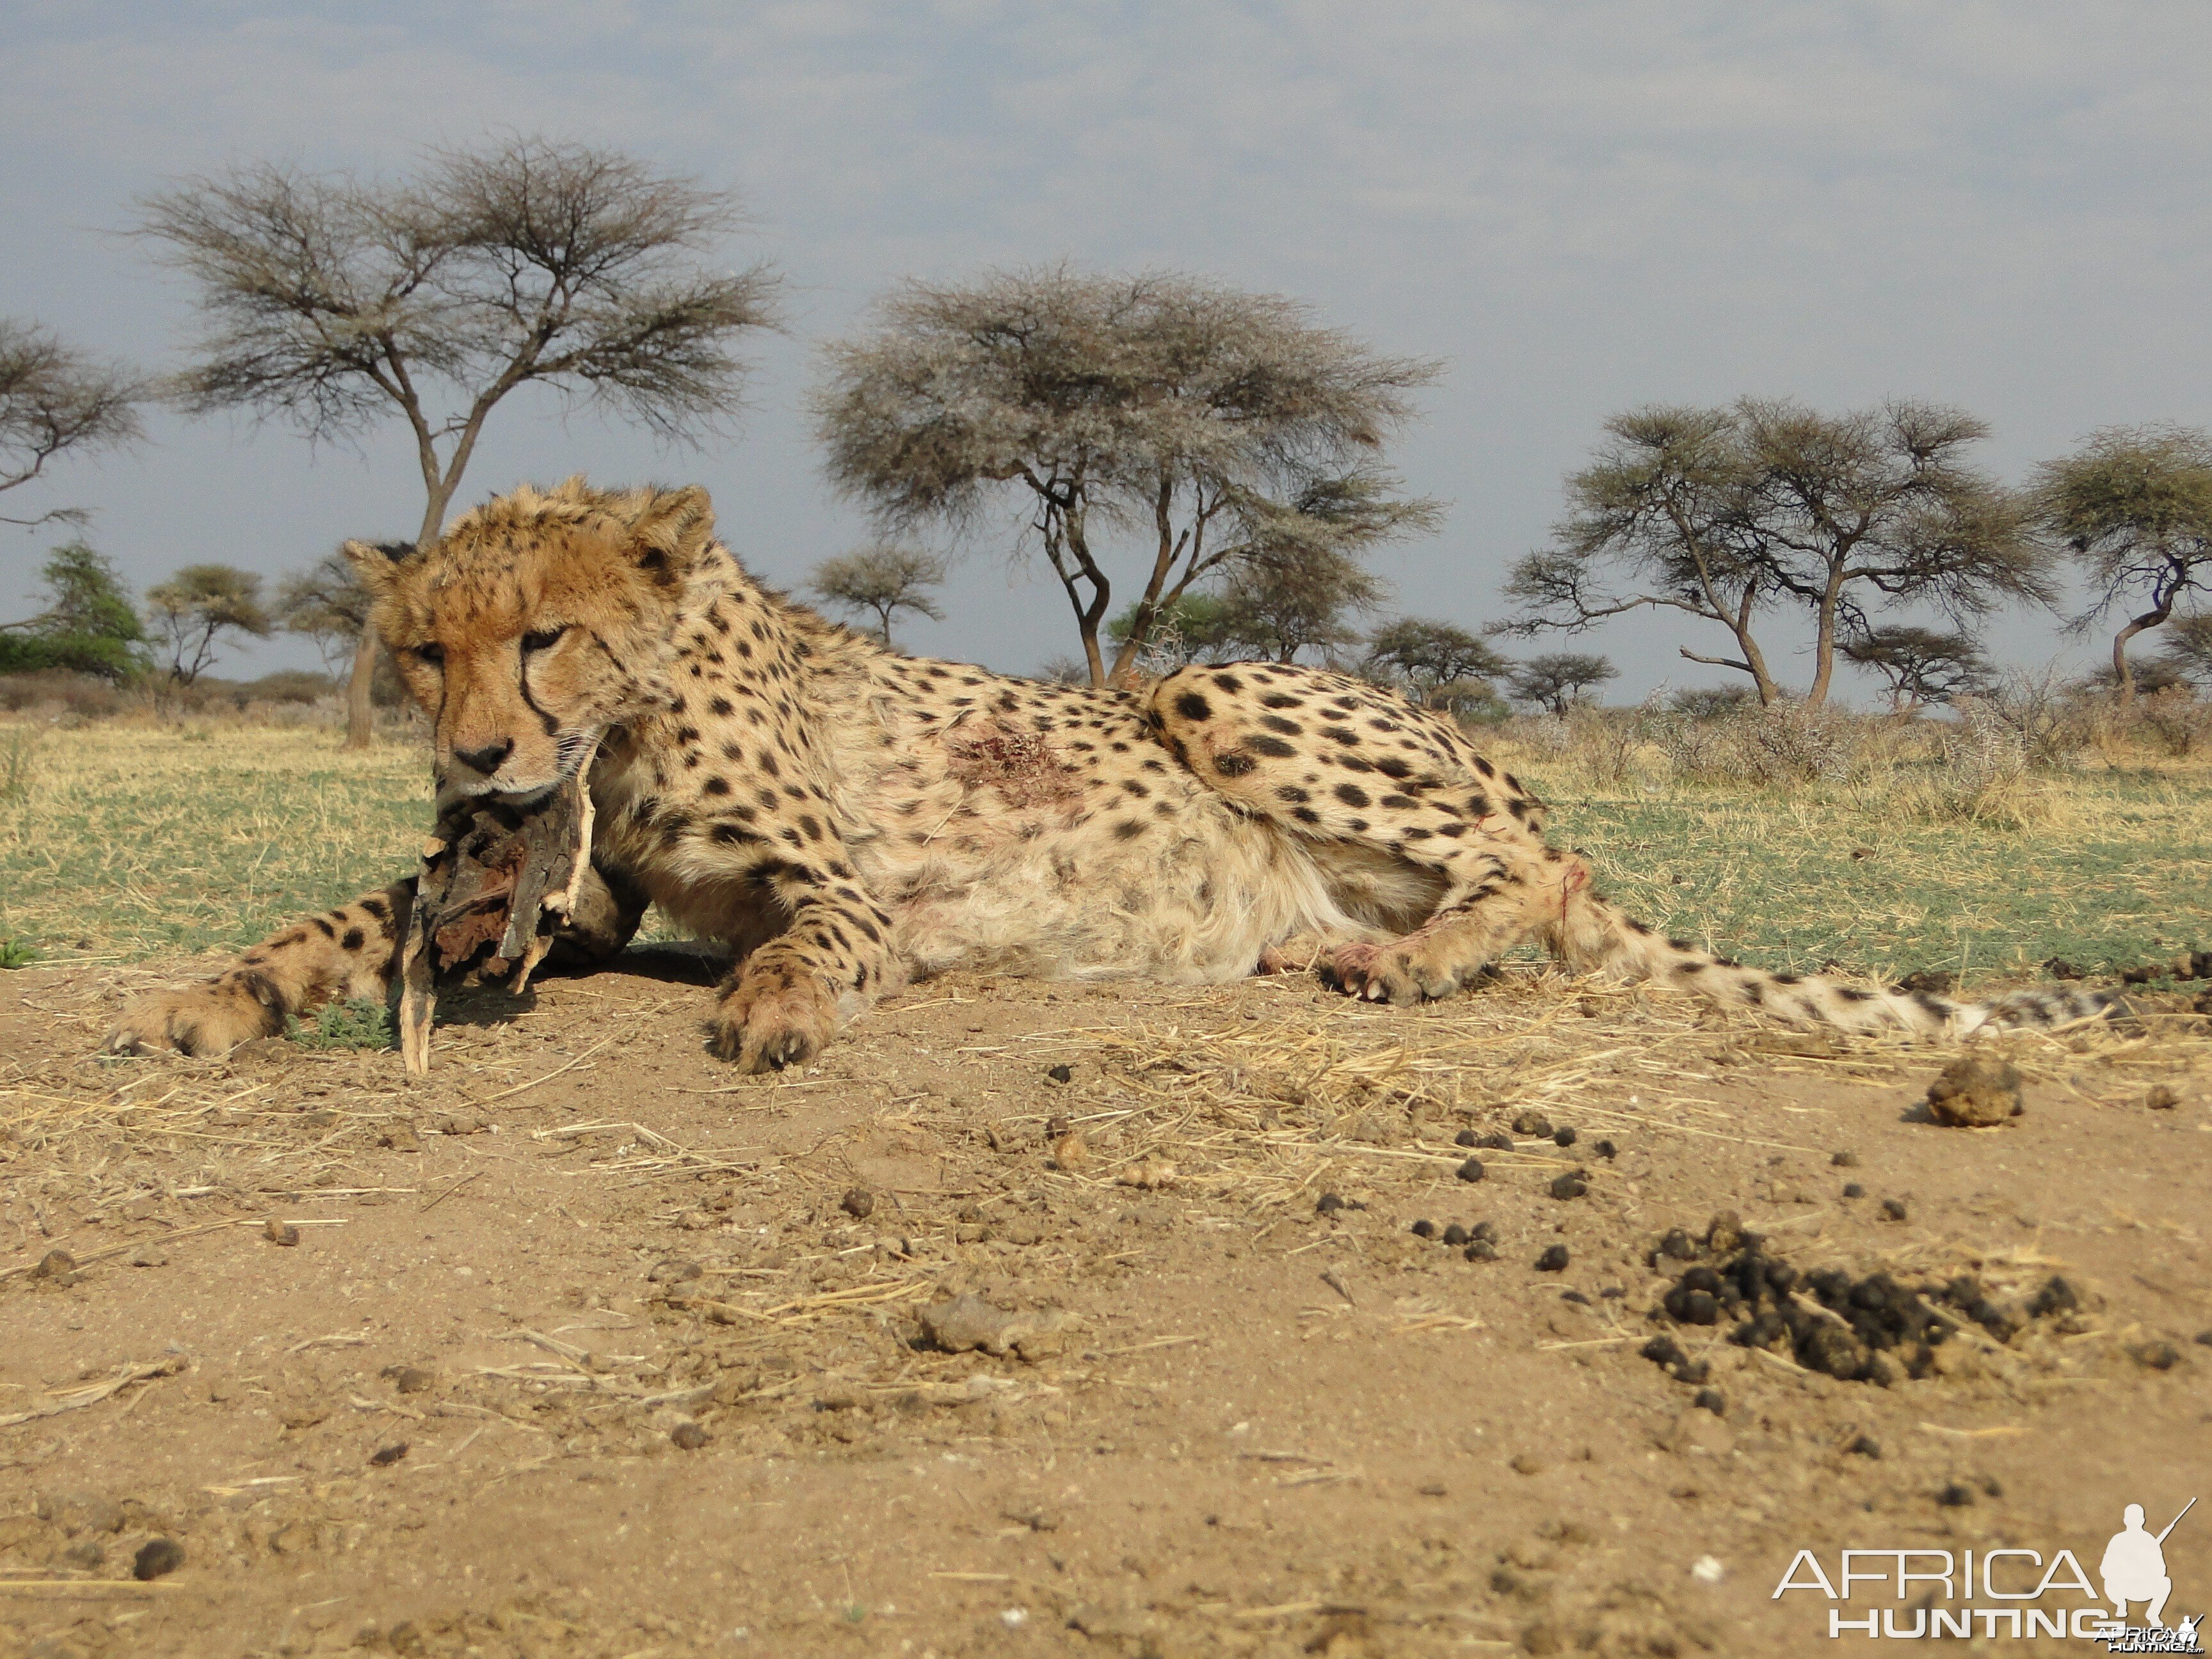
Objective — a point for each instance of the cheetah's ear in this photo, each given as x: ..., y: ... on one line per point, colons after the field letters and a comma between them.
x: 376, y: 563
x: 671, y: 532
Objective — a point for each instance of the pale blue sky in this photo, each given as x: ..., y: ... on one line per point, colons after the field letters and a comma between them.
x: 1579, y: 207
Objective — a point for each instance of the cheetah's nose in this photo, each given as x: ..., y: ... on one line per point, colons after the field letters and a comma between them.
x: 486, y: 759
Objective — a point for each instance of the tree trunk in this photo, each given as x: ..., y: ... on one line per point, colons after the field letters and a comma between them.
x: 1824, y: 643
x: 361, y: 712
x: 2123, y: 676
x: 361, y: 685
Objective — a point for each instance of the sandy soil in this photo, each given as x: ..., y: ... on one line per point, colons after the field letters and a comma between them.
x: 584, y: 1345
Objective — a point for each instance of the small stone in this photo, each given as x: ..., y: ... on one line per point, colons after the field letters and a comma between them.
x: 1569, y: 1186
x: 2204, y: 1338
x: 1426, y: 1230
x: 385, y: 1456
x: 1481, y: 1250
x: 1663, y: 1351
x: 1606, y: 1150
x: 1470, y: 1171
x: 1564, y: 1137
x: 1465, y: 1138
x: 2156, y: 1356
x: 410, y: 1379
x: 1060, y: 1073
x: 87, y: 1554
x: 688, y: 1436
x: 1486, y: 1232
x: 58, y: 1267
x: 1553, y: 1261
x: 859, y: 1203
x: 149, y: 1256
x: 280, y: 1232
x: 459, y: 1123
x: 399, y: 1138
x: 1456, y: 1235
x: 1853, y: 1189
x: 1893, y: 1209
x: 1328, y: 1204
x: 157, y: 1558
x: 1532, y: 1122
x: 1526, y: 1463
x: 2161, y: 1098
x: 1678, y: 1246
x: 1975, y: 1093
x: 1710, y: 1400
x: 674, y: 1271
x: 1846, y: 1160
x: 1057, y: 1125
x: 1865, y: 1446
x: 1956, y: 1495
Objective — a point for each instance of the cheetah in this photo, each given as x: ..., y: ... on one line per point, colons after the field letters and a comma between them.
x: 844, y: 817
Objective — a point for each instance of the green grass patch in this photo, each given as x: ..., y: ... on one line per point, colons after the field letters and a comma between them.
x: 356, y: 1025
x: 16, y: 954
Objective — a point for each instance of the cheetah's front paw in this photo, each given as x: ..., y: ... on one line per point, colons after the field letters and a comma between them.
x: 212, y: 1019
x: 1406, y: 971
x: 772, y: 1018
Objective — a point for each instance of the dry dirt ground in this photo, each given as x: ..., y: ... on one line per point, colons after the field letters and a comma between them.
x: 584, y: 1345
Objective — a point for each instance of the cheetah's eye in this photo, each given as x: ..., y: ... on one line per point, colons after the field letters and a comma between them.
x: 431, y: 652
x: 543, y: 639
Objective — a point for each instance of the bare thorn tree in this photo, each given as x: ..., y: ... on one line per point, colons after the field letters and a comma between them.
x: 54, y: 400
x: 1725, y: 512
x: 333, y: 302
x: 1181, y: 415
x: 2134, y: 504
x: 884, y: 579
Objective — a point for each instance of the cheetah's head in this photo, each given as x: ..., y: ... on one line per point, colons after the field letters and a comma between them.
x: 538, y: 621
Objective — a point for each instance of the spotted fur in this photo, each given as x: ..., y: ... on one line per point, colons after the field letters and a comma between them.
x: 843, y: 816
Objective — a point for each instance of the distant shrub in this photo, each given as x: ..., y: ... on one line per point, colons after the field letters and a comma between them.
x: 287, y: 685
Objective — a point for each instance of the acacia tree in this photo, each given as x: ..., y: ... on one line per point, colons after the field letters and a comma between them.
x: 327, y: 604
x: 1724, y: 513
x: 1443, y: 665
x: 193, y: 612
x: 334, y: 302
x: 883, y: 579
x: 54, y: 399
x: 1556, y: 680
x: 1194, y: 424
x: 2134, y: 506
x: 89, y: 625
x: 1921, y: 665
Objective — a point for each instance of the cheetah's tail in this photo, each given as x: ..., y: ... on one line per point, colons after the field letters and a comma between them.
x: 1592, y: 936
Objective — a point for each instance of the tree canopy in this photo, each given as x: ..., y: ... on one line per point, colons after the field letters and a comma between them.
x: 1441, y: 664
x: 2133, y: 505
x: 334, y: 302
x: 1921, y: 665
x: 89, y: 627
x: 1555, y: 681
x: 53, y: 399
x: 196, y: 609
x: 885, y: 579
x: 1728, y: 514
x: 1204, y: 426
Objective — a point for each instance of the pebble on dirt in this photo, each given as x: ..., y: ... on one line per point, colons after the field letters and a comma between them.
x: 1470, y: 1171
x: 1328, y: 1204
x: 385, y: 1456
x: 410, y: 1379
x: 1481, y: 1250
x: 1865, y: 1446
x: 1893, y: 1209
x: 1564, y: 1137
x: 859, y: 1203
x: 1553, y: 1261
x: 1465, y: 1138
x: 1456, y: 1234
x: 1060, y: 1073
x: 1606, y: 1150
x: 1427, y: 1229
x: 1569, y: 1186
x: 1846, y: 1160
x: 157, y: 1558
x: 688, y: 1436
x: 2161, y: 1098
x: 58, y: 1267
x: 1975, y: 1093
x: 1853, y: 1189
x: 673, y: 1272
x: 280, y: 1232
x: 1529, y: 1122
x: 1710, y: 1400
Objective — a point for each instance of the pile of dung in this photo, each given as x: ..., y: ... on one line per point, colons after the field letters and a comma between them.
x: 1867, y: 1329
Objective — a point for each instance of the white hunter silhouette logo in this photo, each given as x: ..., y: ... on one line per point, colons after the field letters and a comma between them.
x: 2134, y: 1568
